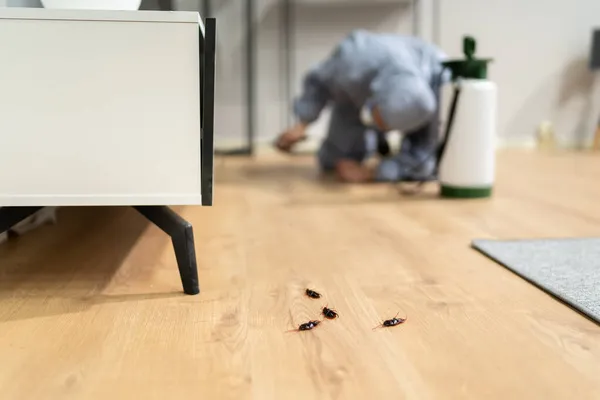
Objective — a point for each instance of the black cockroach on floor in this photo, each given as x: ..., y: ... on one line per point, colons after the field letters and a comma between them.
x: 388, y: 323
x: 312, y: 294
x: 329, y: 313
x: 307, y: 326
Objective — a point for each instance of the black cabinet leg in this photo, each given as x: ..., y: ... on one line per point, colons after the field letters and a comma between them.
x: 10, y: 216
x: 182, y: 237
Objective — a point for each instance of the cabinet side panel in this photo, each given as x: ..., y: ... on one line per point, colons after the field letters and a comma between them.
x: 93, y: 109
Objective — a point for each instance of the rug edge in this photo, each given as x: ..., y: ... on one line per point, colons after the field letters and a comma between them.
x: 591, y: 315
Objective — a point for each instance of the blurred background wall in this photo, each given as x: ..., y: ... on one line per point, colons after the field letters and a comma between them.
x: 541, y: 50
x: 540, y: 47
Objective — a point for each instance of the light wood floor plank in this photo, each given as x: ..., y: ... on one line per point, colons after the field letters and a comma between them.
x: 92, y: 307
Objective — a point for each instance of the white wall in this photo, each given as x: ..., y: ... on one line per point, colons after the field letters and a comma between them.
x: 541, y: 50
x: 231, y: 103
x: 317, y: 29
x: 230, y: 98
x: 540, y: 47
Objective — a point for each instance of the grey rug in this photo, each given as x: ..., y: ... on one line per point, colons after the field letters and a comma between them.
x: 568, y: 269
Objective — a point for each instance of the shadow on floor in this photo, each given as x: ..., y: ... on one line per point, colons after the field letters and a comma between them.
x: 64, y: 268
x: 305, y: 186
x: 272, y: 172
x: 384, y: 194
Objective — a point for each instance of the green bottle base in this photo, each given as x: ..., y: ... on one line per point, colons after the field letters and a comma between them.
x: 466, y: 192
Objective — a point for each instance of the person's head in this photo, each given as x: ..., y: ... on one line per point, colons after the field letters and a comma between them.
x: 404, y: 101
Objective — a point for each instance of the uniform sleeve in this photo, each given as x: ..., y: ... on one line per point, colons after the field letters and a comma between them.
x: 314, y: 97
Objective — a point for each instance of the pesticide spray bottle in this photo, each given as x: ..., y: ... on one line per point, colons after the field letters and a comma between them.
x: 467, y: 156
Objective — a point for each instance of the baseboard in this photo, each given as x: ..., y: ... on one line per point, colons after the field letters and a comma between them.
x: 312, y: 144
x: 516, y: 143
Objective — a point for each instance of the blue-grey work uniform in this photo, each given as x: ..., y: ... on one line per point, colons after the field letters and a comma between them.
x: 401, y: 75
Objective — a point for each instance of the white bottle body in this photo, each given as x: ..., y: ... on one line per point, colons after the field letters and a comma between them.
x: 467, y: 168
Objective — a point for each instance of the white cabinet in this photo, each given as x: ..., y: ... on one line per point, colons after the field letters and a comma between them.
x: 102, y: 108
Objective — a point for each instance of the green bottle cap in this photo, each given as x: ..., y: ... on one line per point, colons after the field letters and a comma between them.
x: 469, y: 67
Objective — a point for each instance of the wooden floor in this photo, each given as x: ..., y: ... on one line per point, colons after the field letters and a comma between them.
x: 92, y: 308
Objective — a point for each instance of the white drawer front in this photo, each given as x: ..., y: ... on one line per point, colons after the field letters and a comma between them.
x: 99, y: 112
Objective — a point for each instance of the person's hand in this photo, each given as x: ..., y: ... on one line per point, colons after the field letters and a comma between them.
x: 353, y: 172
x: 289, y: 138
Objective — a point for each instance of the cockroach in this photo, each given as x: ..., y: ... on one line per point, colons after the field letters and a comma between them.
x: 307, y: 326
x: 312, y: 294
x: 329, y: 313
x: 388, y: 323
